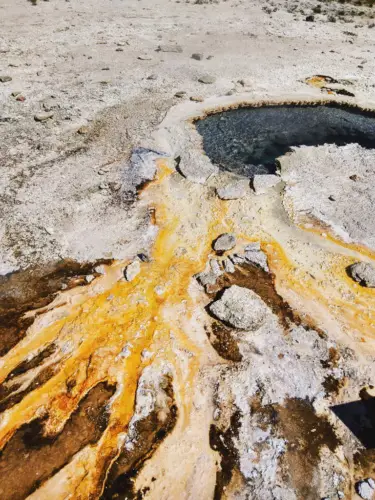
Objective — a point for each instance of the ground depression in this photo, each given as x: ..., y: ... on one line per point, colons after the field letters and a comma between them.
x: 247, y: 141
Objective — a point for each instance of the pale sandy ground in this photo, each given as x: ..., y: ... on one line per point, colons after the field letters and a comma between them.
x: 64, y: 55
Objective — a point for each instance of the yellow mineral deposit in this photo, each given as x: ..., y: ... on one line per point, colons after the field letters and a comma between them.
x: 111, y: 329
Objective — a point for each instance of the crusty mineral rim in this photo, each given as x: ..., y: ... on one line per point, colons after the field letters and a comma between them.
x: 192, y: 111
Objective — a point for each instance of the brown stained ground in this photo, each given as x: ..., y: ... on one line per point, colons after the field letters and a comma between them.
x: 223, y: 441
x: 30, y: 458
x: 223, y: 341
x: 7, y: 399
x: 306, y: 433
x: 30, y: 289
x: 150, y: 432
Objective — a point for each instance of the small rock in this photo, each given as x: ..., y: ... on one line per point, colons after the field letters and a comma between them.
x: 100, y: 269
x: 197, y: 57
x: 253, y: 246
x: 196, y: 167
x: 89, y: 278
x: 83, y: 130
x: 310, y: 19
x: 258, y: 258
x: 49, y: 105
x: 180, y: 94
x: 42, y: 117
x: 5, y: 78
x: 224, y: 242
x: 144, y: 58
x: 15, y: 93
x: 169, y: 48
x: 364, y: 489
x: 132, y: 270
x: 234, y: 190
x: 215, y: 267
x: 240, y: 308
x: 262, y: 183
x: 237, y: 259
x: 196, y: 99
x: 206, y: 278
x: 103, y: 185
x: 114, y: 186
x: 245, y: 82
x: 21, y: 98
x: 152, y: 77
x: 228, y: 266
x: 340, y: 494
x: 207, y: 79
x: 363, y: 273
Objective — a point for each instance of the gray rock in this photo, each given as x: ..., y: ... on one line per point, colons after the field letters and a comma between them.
x: 132, y: 270
x: 142, y: 169
x: 224, y: 242
x: 363, y: 273
x: 262, y: 183
x: 253, y: 246
x: 49, y: 105
x: 207, y: 79
x: 206, y: 278
x: 169, y: 48
x: 5, y: 78
x: 180, y: 93
x: 215, y: 267
x: 42, y: 117
x: 234, y: 190
x: 197, y: 57
x: 196, y: 167
x: 240, y: 308
x: 258, y: 258
x: 237, y: 259
x: 364, y: 489
x: 228, y: 266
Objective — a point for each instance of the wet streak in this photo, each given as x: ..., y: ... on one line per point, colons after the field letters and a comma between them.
x: 149, y: 432
x: 30, y: 458
x: 248, y: 140
x: 34, y: 288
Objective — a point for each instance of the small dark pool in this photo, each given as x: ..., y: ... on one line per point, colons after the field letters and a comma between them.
x: 247, y: 141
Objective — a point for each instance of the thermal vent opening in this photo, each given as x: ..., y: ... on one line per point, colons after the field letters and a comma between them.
x: 247, y: 141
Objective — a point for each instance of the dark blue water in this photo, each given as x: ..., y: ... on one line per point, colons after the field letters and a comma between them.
x: 247, y: 141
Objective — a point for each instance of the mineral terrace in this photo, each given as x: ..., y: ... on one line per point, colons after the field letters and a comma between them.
x: 187, y: 250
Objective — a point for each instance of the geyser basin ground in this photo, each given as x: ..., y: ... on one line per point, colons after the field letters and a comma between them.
x: 247, y: 141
